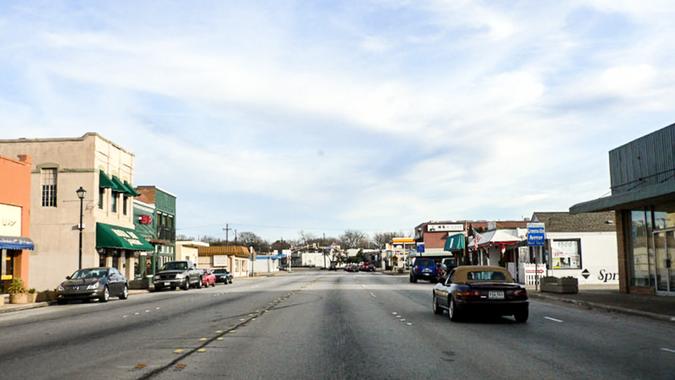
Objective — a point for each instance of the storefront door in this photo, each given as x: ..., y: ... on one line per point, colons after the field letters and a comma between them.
x: 664, y: 244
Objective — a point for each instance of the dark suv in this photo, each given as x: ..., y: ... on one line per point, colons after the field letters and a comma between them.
x: 424, y: 269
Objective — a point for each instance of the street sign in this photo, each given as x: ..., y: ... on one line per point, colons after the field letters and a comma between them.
x: 536, y: 234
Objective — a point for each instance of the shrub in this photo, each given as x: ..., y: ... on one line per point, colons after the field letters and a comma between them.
x: 16, y: 287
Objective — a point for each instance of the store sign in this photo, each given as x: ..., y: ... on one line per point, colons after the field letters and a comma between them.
x: 220, y: 260
x: 536, y: 234
x: 145, y: 219
x: 129, y: 236
x: 445, y: 227
x: 10, y: 220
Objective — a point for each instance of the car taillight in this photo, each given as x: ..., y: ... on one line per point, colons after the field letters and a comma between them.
x: 467, y: 294
x: 519, y: 293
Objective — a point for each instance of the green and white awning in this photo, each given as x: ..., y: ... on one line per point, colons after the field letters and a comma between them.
x: 116, y: 237
x: 454, y: 243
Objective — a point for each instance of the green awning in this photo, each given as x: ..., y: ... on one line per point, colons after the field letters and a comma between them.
x: 118, y: 186
x: 104, y: 181
x: 131, y: 189
x: 116, y: 237
x: 454, y: 243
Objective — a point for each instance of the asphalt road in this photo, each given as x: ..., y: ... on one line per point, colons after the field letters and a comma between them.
x: 324, y: 325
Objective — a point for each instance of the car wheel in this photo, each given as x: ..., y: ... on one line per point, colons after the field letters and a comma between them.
x: 453, y: 313
x: 61, y: 302
x: 105, y: 296
x: 186, y: 284
x: 125, y: 293
x: 413, y: 279
x: 522, y: 315
x: 199, y: 283
x: 437, y: 309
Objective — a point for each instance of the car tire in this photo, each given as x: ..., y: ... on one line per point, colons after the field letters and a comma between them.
x: 199, y: 283
x: 125, y: 293
x: 105, y: 296
x: 186, y: 284
x: 522, y: 315
x: 413, y: 279
x: 61, y: 302
x: 437, y: 309
x: 453, y: 313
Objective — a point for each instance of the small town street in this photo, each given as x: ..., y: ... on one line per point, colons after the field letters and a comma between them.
x: 324, y: 325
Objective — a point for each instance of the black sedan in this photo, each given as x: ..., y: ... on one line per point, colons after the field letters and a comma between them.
x: 93, y: 283
x: 481, y: 289
x: 222, y: 275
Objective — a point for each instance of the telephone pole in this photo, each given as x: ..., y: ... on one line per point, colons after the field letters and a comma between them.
x: 227, y: 230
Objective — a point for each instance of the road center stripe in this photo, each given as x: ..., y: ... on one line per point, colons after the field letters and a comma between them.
x: 668, y: 350
x: 553, y: 319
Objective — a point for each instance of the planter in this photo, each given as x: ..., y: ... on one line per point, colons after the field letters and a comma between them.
x: 18, y: 298
x: 32, y: 297
x: 567, y: 285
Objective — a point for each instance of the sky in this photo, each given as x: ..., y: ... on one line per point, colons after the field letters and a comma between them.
x: 319, y: 116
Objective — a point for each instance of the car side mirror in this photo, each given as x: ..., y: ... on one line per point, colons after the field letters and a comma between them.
x: 67, y: 277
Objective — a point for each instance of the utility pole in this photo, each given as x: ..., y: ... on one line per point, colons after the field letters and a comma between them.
x: 235, y: 236
x: 227, y: 230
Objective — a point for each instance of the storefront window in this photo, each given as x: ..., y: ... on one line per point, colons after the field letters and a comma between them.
x: 664, y: 217
x: 113, y: 202
x: 639, y: 249
x: 566, y: 254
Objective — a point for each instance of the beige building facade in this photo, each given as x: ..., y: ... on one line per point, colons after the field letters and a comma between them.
x: 189, y: 250
x: 61, y: 166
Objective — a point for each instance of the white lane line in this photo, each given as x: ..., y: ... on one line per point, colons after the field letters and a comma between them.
x: 553, y: 319
x: 373, y: 295
x: 668, y: 350
x: 393, y: 313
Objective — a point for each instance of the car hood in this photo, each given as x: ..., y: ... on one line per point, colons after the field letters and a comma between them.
x: 79, y: 282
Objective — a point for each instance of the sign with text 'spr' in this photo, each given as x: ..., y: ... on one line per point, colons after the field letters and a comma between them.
x: 536, y: 234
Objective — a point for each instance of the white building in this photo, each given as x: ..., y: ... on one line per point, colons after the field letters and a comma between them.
x: 189, y: 250
x: 581, y: 245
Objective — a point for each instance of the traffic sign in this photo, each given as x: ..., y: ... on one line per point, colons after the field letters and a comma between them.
x: 536, y: 234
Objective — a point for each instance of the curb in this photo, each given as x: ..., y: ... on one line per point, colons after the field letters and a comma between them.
x: 605, y: 307
x: 29, y: 306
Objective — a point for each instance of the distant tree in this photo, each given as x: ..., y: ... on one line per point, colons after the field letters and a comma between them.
x: 354, y: 239
x: 281, y: 244
x: 382, y: 238
x: 250, y: 239
x: 184, y: 237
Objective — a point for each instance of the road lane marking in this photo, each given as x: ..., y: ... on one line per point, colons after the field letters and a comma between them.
x: 137, y: 313
x: 220, y: 338
x: 202, y: 339
x: 219, y: 331
x: 668, y: 350
x: 409, y: 324
x: 373, y: 295
x: 147, y: 311
x: 178, y: 351
x: 201, y: 350
x: 553, y: 319
x: 393, y: 313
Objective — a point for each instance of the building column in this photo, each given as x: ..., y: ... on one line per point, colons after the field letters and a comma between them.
x: 131, y: 267
x: 108, y: 260
x: 621, y: 242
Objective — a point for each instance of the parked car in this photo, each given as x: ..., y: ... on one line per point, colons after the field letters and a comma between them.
x: 484, y: 289
x: 352, y: 267
x: 424, y: 269
x: 183, y: 274
x: 367, y: 267
x: 222, y: 275
x: 93, y: 283
x: 208, y: 278
x: 446, y: 265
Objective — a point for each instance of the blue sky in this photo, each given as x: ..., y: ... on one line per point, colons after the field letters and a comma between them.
x: 281, y: 116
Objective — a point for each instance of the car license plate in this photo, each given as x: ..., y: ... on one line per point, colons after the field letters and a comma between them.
x: 496, y: 294
x: 167, y: 283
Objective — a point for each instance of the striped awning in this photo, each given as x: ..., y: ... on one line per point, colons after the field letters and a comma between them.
x: 16, y: 243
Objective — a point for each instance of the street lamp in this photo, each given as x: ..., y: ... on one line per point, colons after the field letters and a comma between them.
x: 80, y: 194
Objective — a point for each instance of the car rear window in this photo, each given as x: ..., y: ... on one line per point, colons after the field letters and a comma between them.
x: 425, y: 262
x: 486, y: 276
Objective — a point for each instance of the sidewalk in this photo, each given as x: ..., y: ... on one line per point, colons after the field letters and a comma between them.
x: 655, y: 307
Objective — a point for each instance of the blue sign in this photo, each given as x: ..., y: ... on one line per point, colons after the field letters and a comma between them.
x: 420, y: 247
x: 536, y: 234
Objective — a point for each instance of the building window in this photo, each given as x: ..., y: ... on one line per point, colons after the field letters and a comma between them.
x: 48, y: 179
x: 113, y: 202
x: 639, y: 248
x: 125, y: 199
x: 566, y: 254
x: 101, y: 197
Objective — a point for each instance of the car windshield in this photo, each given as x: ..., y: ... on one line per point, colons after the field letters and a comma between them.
x: 89, y: 273
x: 220, y: 271
x: 486, y: 276
x: 175, y: 265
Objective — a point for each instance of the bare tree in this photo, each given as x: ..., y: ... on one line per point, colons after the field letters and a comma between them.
x: 354, y: 239
x: 382, y: 238
x: 250, y: 239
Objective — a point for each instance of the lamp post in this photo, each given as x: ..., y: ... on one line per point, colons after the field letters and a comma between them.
x: 80, y: 194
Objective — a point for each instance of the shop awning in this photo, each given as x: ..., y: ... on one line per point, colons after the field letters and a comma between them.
x: 116, y: 237
x: 454, y: 243
x: 104, y: 181
x: 131, y: 189
x: 631, y: 199
x: 118, y: 186
x: 16, y: 243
